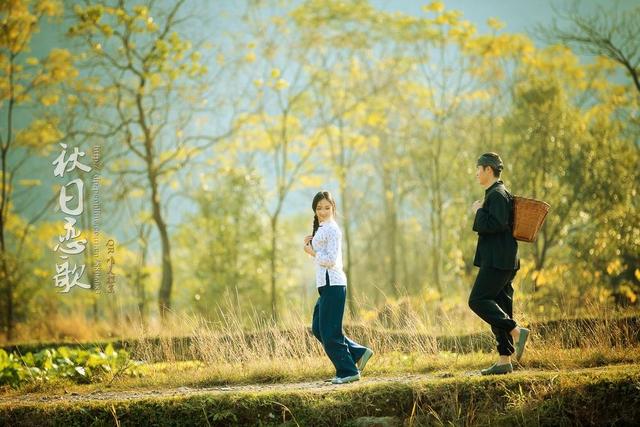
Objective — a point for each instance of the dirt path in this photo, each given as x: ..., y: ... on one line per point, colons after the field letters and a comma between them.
x: 311, y: 386
x: 317, y: 386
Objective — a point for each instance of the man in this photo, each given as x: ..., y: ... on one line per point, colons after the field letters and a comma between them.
x: 497, y: 256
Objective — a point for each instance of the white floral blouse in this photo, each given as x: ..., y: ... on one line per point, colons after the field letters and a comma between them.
x: 327, y: 243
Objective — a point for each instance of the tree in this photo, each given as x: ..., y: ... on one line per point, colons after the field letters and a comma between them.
x: 281, y: 132
x: 30, y: 84
x: 559, y: 127
x: 346, y: 82
x: 145, y: 71
x: 611, y: 33
x: 228, y: 262
x: 447, y: 109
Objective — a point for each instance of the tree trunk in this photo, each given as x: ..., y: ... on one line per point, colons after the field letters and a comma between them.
x: 347, y: 237
x: 393, y: 237
x: 7, y: 282
x: 9, y: 298
x: 166, y: 283
x: 4, y: 207
x: 139, y: 281
x: 90, y: 252
x: 274, y: 249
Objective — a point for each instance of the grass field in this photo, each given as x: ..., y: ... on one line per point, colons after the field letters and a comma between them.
x: 584, y: 371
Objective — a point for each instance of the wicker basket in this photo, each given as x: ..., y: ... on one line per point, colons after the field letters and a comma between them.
x: 528, y: 217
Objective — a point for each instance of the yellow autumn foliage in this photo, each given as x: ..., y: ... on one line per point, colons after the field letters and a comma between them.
x: 40, y: 134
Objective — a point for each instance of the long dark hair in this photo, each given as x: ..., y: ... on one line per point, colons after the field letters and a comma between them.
x: 319, y: 196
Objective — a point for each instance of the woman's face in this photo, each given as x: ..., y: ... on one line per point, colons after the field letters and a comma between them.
x: 324, y: 210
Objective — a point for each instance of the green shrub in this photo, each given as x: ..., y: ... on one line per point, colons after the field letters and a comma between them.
x: 78, y: 365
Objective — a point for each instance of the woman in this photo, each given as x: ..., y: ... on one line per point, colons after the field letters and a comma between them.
x: 324, y: 244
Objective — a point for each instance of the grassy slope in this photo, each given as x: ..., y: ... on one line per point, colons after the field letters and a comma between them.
x: 587, y: 373
x: 588, y: 396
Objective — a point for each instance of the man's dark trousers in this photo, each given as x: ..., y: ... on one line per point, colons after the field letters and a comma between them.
x: 327, y: 328
x: 492, y: 299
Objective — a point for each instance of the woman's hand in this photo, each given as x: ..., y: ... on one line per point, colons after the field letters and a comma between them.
x: 308, y: 249
x: 307, y: 239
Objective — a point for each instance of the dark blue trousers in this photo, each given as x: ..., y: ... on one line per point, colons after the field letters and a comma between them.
x: 327, y: 328
x: 492, y: 299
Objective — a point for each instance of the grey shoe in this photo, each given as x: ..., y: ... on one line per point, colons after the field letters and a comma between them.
x: 344, y: 380
x: 329, y: 380
x: 522, y: 341
x: 362, y: 362
x: 498, y: 369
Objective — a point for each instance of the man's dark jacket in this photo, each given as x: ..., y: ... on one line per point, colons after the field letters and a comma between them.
x: 497, y: 247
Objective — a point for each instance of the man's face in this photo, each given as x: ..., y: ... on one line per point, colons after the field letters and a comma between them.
x: 484, y: 175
